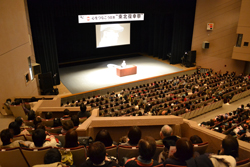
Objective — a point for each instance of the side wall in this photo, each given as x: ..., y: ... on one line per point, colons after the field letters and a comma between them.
x: 225, y: 16
x: 243, y: 52
x: 15, y: 48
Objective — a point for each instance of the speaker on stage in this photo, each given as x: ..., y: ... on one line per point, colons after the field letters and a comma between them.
x: 46, y: 83
x: 191, y: 56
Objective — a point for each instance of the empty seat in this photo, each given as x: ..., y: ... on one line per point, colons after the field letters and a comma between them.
x: 127, y: 151
x: 201, y: 147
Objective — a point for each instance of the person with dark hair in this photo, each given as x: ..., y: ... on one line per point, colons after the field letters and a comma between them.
x: 57, y: 122
x: 71, y: 139
x: 67, y: 125
x: 147, y: 149
x: 66, y: 113
x: 19, y: 121
x: 52, y: 158
x: 31, y: 115
x: 14, y: 128
x: 228, y: 153
x: 7, y: 140
x: 134, y: 135
x: 104, y: 137
x: 184, y: 151
x: 75, y: 120
x: 39, y: 140
x: 195, y: 139
x: 37, y: 120
x: 48, y: 115
x: 83, y: 112
x: 97, y: 156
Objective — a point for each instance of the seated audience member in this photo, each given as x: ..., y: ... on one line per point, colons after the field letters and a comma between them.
x: 16, y: 130
x: 57, y: 122
x: 19, y: 121
x: 228, y: 153
x: 83, y: 112
x: 75, y: 120
x: 7, y: 139
x: 37, y: 120
x: 67, y: 125
x: 48, y: 115
x: 147, y: 149
x: 31, y: 115
x: 71, y: 139
x: 134, y: 135
x: 184, y: 151
x: 196, y: 139
x: 66, y: 114
x: 104, y: 137
x: 97, y: 156
x: 39, y: 140
x: 167, y: 137
x: 52, y: 158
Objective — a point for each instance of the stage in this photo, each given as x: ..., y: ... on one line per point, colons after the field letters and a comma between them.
x: 92, y: 76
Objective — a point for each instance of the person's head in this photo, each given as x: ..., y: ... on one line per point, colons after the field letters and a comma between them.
x: 134, y: 135
x: 196, y: 139
x: 53, y: 155
x: 14, y: 128
x: 57, y: 122
x: 71, y: 139
x: 83, y: 107
x: 75, y: 120
x: 66, y: 112
x: 230, y: 146
x: 147, y: 148
x: 37, y: 120
x: 67, y: 125
x: 104, y: 137
x: 166, y: 131
x: 6, y: 137
x: 97, y: 152
x: 31, y: 115
x: 48, y: 115
x: 19, y: 121
x: 38, y: 137
x: 184, y: 149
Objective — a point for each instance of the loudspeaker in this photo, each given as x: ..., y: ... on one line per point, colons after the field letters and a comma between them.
x: 46, y: 83
x: 191, y: 56
x: 36, y: 68
x: 205, y: 45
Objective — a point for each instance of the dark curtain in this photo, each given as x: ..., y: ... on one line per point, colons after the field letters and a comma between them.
x: 182, y: 29
x: 43, y: 34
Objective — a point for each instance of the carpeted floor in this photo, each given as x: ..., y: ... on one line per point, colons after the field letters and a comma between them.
x: 92, y: 76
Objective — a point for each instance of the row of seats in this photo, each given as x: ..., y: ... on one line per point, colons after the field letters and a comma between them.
x: 29, y: 157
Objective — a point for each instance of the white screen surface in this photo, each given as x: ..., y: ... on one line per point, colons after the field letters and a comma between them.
x: 112, y: 35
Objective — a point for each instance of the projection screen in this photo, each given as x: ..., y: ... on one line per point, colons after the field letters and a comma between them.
x: 112, y: 35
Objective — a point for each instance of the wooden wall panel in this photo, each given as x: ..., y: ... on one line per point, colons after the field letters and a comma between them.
x: 225, y: 15
x: 15, y: 48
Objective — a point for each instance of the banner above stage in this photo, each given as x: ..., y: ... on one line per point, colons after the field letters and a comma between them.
x: 111, y: 17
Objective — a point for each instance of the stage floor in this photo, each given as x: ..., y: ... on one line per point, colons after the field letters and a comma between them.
x: 92, y: 76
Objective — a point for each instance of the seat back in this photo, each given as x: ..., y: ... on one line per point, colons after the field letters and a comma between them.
x: 112, y: 151
x: 54, y: 129
x: 243, y: 163
x: 159, y: 149
x: 28, y: 123
x: 201, y: 147
x: 28, y: 137
x: 34, y: 156
x: 18, y: 111
x: 48, y: 122
x: 82, y: 119
x: 127, y: 151
x: 19, y: 137
x: 79, y: 155
x: 169, y: 165
x: 12, y: 157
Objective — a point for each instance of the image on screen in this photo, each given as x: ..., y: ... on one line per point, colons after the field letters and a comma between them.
x: 112, y: 35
